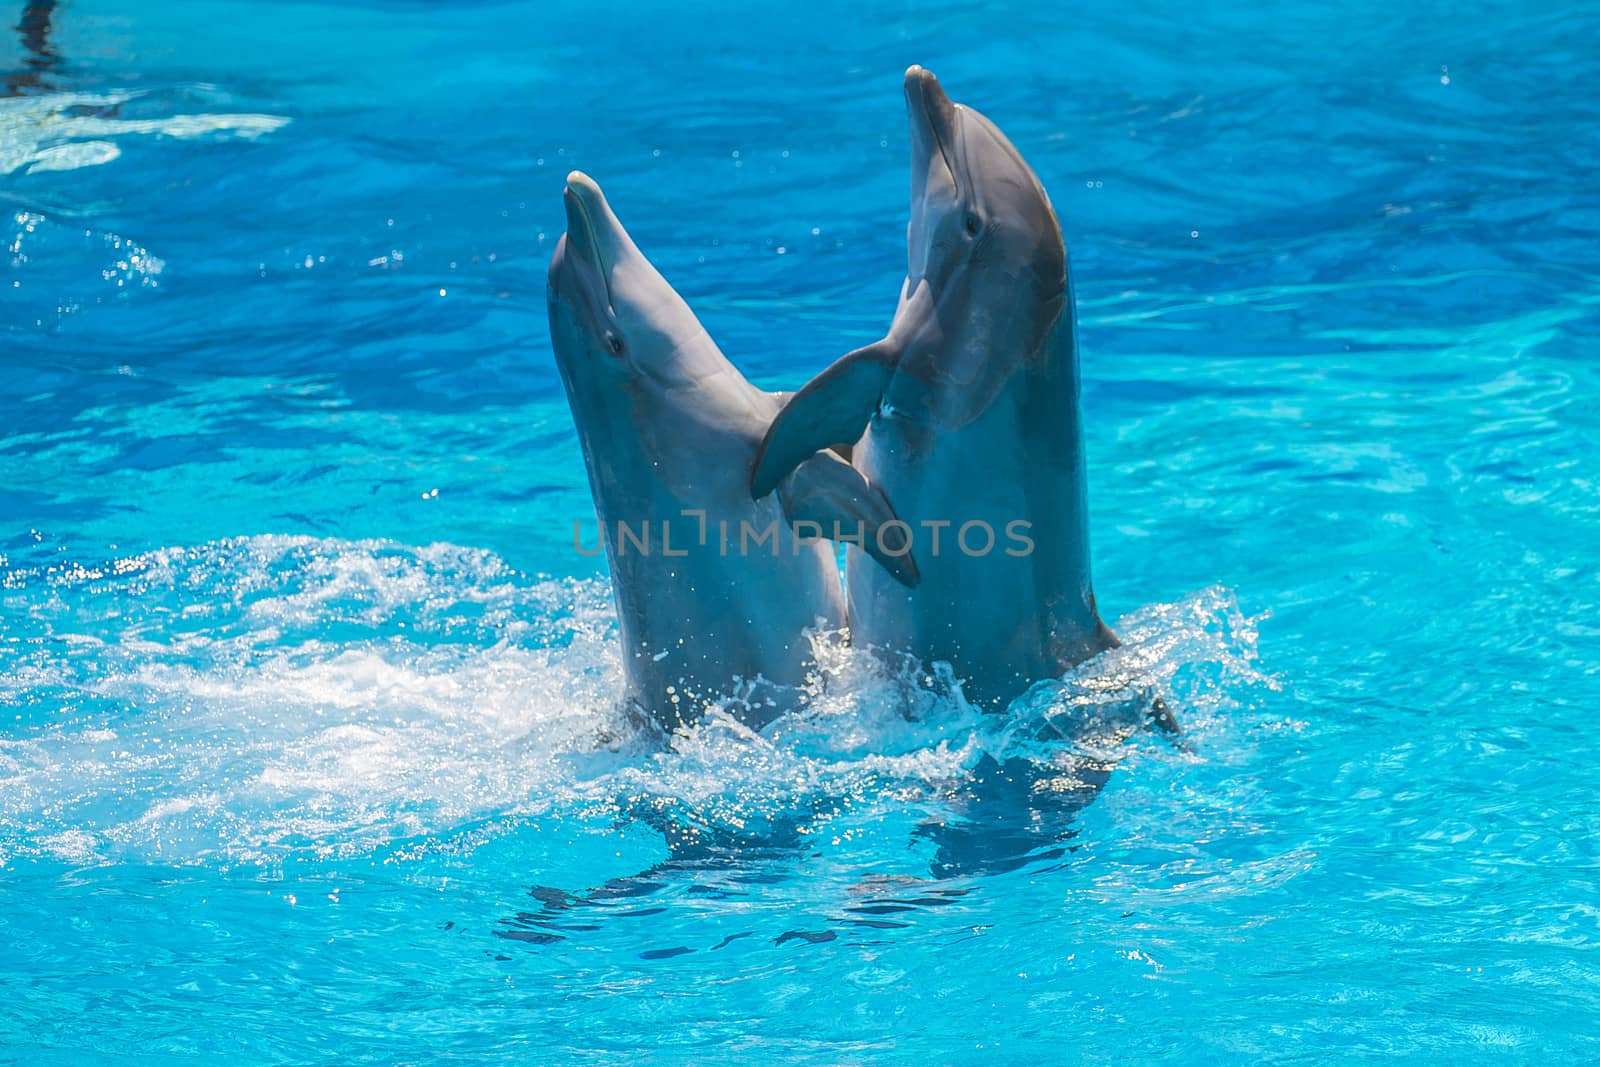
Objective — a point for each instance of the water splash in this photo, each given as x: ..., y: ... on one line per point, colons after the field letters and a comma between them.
x: 264, y: 698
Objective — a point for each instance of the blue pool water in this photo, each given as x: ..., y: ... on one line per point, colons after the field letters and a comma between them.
x: 306, y: 744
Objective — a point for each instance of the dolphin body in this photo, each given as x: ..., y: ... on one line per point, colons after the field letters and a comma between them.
x: 708, y: 606
x: 967, y: 412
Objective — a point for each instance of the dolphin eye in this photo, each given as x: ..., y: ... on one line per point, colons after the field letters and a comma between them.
x: 614, y: 343
x: 972, y: 225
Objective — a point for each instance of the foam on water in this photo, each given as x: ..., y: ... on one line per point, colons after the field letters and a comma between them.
x: 266, y: 698
x: 66, y: 131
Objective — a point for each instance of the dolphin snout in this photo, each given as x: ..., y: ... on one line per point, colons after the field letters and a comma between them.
x: 590, y: 243
x: 930, y: 107
x: 933, y: 126
x: 584, y: 191
x: 918, y: 76
x: 586, y: 207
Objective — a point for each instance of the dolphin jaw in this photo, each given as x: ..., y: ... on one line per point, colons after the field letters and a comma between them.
x: 935, y: 119
x: 584, y: 200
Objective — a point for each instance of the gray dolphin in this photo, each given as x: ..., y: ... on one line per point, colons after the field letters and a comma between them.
x: 967, y: 416
x: 714, y: 590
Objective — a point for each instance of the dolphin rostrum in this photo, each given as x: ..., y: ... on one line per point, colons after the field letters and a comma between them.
x: 714, y: 591
x: 967, y: 417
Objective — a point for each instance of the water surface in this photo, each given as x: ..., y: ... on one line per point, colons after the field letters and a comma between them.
x: 305, y: 697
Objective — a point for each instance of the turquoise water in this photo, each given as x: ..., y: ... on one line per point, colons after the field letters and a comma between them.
x: 306, y: 744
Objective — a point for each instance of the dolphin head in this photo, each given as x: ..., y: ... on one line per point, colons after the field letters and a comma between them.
x: 613, y: 317
x: 982, y: 233
x: 652, y: 395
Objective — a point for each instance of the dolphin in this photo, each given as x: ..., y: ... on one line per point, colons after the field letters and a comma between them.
x: 967, y: 417
x: 714, y: 590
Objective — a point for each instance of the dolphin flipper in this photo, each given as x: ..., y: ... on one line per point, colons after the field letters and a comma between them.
x: 844, y: 452
x: 832, y: 409
x: 829, y: 492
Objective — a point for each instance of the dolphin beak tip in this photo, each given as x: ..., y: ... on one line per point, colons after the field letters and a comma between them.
x: 926, y: 98
x: 586, y: 203
x: 920, y: 81
x: 582, y: 187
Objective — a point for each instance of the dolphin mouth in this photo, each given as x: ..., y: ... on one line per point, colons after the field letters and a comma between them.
x: 933, y: 116
x: 584, y: 201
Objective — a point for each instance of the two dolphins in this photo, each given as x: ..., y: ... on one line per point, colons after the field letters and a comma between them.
x: 963, y: 499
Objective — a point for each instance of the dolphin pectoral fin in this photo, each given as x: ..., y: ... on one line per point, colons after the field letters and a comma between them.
x: 1159, y: 712
x: 834, y: 496
x: 844, y: 452
x: 1161, y: 715
x: 832, y: 409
